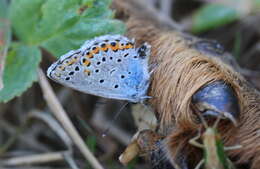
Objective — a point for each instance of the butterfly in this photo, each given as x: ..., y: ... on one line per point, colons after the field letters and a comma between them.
x: 109, y: 66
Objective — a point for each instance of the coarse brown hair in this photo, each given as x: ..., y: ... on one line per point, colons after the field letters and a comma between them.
x: 180, y: 69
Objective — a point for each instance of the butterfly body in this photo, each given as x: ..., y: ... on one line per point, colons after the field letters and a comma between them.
x: 108, y: 66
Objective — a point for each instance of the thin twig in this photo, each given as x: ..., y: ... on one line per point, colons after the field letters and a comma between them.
x: 153, y: 2
x: 33, y: 159
x: 149, y: 12
x: 159, y: 16
x: 166, y: 7
x: 49, y: 157
x: 70, y: 160
x: 16, y: 134
x: 53, y: 124
x: 61, y: 115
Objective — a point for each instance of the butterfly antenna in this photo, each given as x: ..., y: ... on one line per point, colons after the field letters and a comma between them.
x: 114, y: 118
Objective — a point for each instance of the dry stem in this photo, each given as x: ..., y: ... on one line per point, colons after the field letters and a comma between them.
x: 61, y: 115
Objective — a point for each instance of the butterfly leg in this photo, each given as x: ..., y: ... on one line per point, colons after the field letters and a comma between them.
x: 217, y: 99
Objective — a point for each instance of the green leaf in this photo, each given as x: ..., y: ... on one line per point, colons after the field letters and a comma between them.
x: 132, y: 163
x: 5, y: 30
x: 256, y: 5
x: 211, y: 16
x: 62, y: 25
x: 20, y: 71
x: 5, y: 36
x: 56, y: 25
x: 3, y: 9
x: 91, y: 143
x: 237, y: 45
x: 77, y: 35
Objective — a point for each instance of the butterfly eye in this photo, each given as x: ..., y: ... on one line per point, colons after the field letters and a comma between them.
x: 116, y: 86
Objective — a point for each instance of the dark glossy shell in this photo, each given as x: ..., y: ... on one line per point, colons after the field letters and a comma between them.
x: 217, y: 97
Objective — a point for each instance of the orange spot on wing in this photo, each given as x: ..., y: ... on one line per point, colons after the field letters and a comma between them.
x: 109, y: 46
x: 87, y: 63
x: 128, y: 46
x: 72, y: 61
x: 121, y: 47
x: 87, y: 72
x: 116, y: 47
x: 95, y: 51
x: 90, y: 55
x: 105, y: 48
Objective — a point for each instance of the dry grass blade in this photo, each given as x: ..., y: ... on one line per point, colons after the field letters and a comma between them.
x: 61, y: 115
x: 53, y: 124
x: 48, y: 157
x: 166, y: 7
x: 70, y: 160
x: 33, y: 159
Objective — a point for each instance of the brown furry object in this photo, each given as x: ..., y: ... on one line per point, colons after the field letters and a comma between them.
x: 181, y: 70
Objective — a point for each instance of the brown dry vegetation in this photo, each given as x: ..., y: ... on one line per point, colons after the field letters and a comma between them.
x: 182, y: 69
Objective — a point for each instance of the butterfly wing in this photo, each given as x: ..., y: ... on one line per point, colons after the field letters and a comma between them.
x: 108, y: 66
